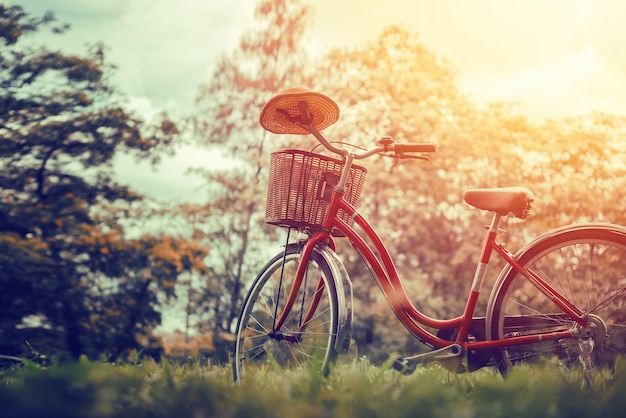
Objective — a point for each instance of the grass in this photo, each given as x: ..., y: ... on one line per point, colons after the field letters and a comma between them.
x: 359, y: 389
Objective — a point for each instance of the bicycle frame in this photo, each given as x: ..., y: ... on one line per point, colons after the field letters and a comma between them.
x: 386, y: 275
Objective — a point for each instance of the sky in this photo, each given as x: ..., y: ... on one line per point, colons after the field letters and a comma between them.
x: 553, y: 58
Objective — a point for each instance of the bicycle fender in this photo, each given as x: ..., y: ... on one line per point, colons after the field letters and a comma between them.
x: 343, y: 284
x: 541, y: 238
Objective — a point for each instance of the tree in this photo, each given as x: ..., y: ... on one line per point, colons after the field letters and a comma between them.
x: 269, y: 58
x: 576, y: 165
x: 394, y: 85
x: 391, y: 85
x: 71, y: 279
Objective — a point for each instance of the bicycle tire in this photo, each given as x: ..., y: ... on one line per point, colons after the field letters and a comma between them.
x: 315, y: 346
x: 587, y: 264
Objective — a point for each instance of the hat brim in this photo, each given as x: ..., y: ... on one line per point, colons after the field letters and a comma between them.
x: 324, y: 111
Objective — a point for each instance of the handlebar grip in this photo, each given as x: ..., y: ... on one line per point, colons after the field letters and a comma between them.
x: 425, y: 147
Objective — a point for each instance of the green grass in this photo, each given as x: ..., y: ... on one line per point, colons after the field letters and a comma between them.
x: 88, y: 389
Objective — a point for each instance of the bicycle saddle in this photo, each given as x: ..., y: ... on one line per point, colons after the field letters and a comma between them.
x: 291, y: 110
x: 503, y: 200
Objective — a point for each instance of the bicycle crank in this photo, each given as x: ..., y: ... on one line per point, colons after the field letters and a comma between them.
x: 407, y: 365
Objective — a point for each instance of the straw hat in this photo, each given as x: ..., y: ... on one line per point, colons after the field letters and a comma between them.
x: 281, y: 114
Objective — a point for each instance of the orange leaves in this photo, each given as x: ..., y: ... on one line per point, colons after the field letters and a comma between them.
x: 180, y: 253
x: 100, y: 242
x: 31, y: 245
x: 166, y: 250
x: 159, y: 259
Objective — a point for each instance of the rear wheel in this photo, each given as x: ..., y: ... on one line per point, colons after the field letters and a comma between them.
x: 587, y: 265
x: 307, y: 337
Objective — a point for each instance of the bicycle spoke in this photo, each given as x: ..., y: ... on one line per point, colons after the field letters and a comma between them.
x: 606, y: 302
x: 528, y: 310
x: 586, y: 267
x: 294, y: 344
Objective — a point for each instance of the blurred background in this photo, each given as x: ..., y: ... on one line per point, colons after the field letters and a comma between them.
x: 133, y: 168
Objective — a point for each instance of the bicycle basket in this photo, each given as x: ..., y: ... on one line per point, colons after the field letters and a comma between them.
x: 300, y: 187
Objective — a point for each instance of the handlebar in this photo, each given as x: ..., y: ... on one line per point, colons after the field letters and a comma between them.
x: 424, y: 148
x: 399, y: 150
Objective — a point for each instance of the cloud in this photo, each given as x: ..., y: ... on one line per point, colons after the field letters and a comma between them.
x: 576, y: 82
x: 79, y: 9
x: 555, y: 58
x: 168, y: 48
x: 515, y: 51
x: 163, y: 49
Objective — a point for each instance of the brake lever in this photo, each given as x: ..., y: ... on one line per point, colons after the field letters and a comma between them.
x: 412, y: 157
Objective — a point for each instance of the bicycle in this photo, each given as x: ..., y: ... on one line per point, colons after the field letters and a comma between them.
x: 562, y: 294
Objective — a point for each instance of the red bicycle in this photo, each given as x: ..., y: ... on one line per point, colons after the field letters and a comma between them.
x: 563, y: 294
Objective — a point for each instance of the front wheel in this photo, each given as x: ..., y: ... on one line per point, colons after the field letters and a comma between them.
x: 307, y: 336
x: 587, y: 265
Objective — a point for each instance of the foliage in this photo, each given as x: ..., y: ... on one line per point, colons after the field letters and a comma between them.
x: 354, y: 390
x: 71, y: 281
x: 78, y: 275
x: 576, y: 167
x: 394, y: 85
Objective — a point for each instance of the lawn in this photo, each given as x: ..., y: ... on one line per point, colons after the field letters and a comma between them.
x: 358, y: 389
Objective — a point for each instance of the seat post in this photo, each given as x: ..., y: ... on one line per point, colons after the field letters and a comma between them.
x: 481, y: 268
x: 479, y: 276
x: 495, y: 223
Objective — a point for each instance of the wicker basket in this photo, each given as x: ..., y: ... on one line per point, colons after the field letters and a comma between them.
x: 300, y: 187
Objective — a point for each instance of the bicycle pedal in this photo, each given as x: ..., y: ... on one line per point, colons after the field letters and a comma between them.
x: 403, y: 365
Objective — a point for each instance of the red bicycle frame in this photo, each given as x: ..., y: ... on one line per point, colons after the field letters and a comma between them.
x: 386, y: 275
